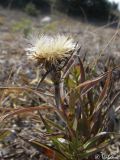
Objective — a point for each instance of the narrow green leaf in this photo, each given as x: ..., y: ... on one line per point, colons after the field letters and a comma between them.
x: 75, y: 124
x: 57, y: 126
x: 82, y: 72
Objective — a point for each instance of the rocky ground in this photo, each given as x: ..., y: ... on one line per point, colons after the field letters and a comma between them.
x: 15, y: 27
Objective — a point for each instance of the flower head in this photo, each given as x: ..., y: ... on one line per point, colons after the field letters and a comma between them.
x: 50, y: 48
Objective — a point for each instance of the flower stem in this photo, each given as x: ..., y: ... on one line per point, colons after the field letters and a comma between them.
x: 57, y: 95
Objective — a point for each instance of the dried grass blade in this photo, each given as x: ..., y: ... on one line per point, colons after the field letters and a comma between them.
x: 23, y: 110
x: 105, y: 89
x: 89, y: 84
x: 103, y: 94
x: 21, y: 89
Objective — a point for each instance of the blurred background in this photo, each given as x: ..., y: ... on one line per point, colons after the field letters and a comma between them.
x: 92, y: 23
x: 92, y: 8
x: 80, y: 18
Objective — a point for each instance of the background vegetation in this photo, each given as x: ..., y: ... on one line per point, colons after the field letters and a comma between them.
x: 92, y: 8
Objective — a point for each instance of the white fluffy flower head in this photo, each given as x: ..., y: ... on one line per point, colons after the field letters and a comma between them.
x: 50, y: 48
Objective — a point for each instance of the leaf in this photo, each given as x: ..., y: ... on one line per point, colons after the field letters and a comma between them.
x: 87, y: 152
x: 47, y: 150
x: 63, y: 147
x: 72, y: 101
x: 82, y: 72
x: 50, y: 151
x: 57, y: 126
x: 105, y: 89
x: 71, y: 83
x: 70, y: 63
x: 92, y: 141
x: 75, y: 124
x: 90, y: 152
x: 89, y: 84
x: 97, y: 123
x: 84, y: 121
x: 91, y: 101
x: 45, y: 123
x: 102, y: 96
